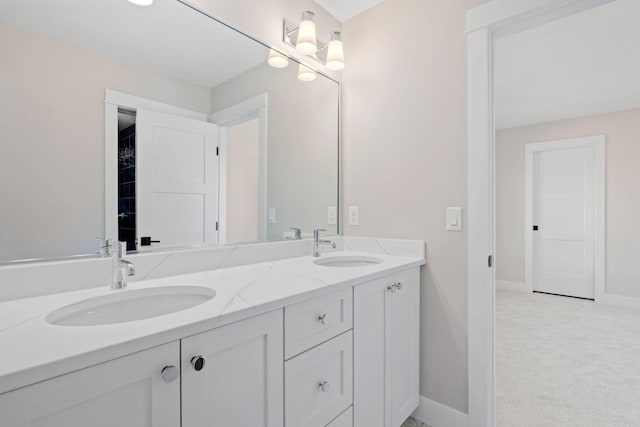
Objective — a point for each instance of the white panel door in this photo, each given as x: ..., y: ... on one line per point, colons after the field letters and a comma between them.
x: 564, y: 214
x: 402, y: 346
x: 241, y: 381
x: 369, y: 354
x: 176, y: 180
x: 125, y: 392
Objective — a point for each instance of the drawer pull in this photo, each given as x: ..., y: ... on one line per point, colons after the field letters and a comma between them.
x: 169, y: 373
x: 323, y: 319
x: 197, y: 362
x: 324, y: 386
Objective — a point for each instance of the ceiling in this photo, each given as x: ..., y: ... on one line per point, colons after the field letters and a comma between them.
x: 579, y: 66
x: 167, y: 37
x: 343, y: 10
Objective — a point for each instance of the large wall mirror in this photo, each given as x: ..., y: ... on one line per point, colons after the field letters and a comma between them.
x: 158, y: 126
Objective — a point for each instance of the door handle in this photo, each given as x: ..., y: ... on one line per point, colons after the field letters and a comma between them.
x: 535, y: 228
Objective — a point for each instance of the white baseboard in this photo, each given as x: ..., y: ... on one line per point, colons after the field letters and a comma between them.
x: 619, y: 301
x: 509, y: 285
x: 438, y: 415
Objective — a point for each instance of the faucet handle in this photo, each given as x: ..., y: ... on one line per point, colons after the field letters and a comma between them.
x: 297, y: 232
x: 106, y: 246
x: 122, y: 249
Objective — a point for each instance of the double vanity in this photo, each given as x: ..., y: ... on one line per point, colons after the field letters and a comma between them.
x: 296, y: 341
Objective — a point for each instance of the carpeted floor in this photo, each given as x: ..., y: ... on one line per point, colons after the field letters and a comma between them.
x: 566, y: 362
x: 411, y: 422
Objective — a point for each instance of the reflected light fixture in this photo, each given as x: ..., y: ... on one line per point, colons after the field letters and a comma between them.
x: 306, y: 42
x: 335, y: 52
x: 306, y: 74
x: 142, y: 2
x: 277, y: 60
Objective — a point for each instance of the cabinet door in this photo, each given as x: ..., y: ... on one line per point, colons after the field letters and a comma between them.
x: 402, y: 346
x: 125, y: 392
x: 369, y: 353
x: 241, y: 381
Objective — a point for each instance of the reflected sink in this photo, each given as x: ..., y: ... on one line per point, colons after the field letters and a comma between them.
x: 347, y: 261
x: 127, y: 306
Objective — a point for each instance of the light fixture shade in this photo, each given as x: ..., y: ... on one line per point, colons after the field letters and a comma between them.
x: 142, y: 2
x: 306, y: 42
x: 335, y: 52
x: 306, y: 74
x: 277, y: 60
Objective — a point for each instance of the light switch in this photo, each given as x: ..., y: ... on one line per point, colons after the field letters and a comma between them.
x: 354, y: 215
x: 271, y: 215
x: 454, y: 219
x: 332, y: 215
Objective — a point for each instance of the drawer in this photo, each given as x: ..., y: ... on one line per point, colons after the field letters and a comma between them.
x: 344, y: 420
x: 319, y: 383
x: 312, y: 322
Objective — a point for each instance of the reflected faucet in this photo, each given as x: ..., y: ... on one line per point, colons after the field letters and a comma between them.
x: 120, y: 268
x: 317, y: 242
x: 297, y: 233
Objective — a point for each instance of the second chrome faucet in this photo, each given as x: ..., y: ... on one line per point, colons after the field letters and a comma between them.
x: 317, y: 242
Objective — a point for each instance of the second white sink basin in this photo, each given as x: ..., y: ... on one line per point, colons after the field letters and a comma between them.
x: 127, y: 306
x: 347, y: 261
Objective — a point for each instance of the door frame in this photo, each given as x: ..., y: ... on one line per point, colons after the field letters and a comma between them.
x: 112, y: 101
x: 486, y: 23
x: 252, y: 108
x: 598, y: 142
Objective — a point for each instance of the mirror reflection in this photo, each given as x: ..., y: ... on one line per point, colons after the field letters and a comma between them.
x: 157, y: 126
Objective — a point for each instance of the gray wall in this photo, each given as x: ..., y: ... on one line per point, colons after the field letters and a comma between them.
x: 622, y: 130
x: 52, y: 133
x: 405, y: 139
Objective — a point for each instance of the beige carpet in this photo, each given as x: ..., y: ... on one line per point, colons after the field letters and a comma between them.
x: 566, y: 362
x: 412, y: 422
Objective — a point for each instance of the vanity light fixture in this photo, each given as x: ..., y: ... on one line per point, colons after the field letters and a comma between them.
x: 303, y: 38
x: 306, y: 42
x: 335, y: 52
x: 142, y: 2
x: 277, y: 60
x: 306, y: 74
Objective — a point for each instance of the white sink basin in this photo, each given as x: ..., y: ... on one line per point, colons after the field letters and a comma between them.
x: 127, y: 306
x: 347, y: 261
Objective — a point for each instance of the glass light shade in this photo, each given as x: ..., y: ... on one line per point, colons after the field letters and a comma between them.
x: 142, y: 2
x: 277, y: 60
x: 335, y: 55
x: 306, y: 74
x: 306, y: 43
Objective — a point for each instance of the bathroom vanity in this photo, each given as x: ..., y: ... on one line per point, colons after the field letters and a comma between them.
x: 285, y: 343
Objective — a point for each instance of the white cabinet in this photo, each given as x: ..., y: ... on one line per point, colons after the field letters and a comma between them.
x: 125, y: 392
x: 386, y: 349
x: 233, y: 375
x: 319, y: 383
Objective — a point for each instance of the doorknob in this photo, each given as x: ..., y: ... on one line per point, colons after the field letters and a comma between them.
x: 197, y: 362
x: 169, y: 373
x: 535, y: 228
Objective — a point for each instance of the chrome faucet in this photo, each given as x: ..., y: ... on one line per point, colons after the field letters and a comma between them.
x: 121, y: 268
x: 317, y: 242
x: 297, y: 233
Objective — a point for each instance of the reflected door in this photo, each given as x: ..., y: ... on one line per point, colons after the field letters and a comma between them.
x: 177, y: 180
x: 564, y: 222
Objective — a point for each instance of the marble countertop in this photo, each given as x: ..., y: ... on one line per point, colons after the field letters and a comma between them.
x: 32, y: 350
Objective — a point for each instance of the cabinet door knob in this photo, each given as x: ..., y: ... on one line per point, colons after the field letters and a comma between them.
x: 169, y: 373
x: 392, y: 288
x: 323, y: 319
x: 324, y: 386
x: 197, y: 362
x: 399, y: 286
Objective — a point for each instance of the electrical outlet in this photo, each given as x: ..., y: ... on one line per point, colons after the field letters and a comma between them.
x: 354, y: 215
x: 332, y: 215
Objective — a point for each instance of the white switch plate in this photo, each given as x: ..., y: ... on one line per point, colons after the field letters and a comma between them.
x: 354, y: 215
x: 332, y: 215
x: 271, y: 215
x: 454, y: 219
